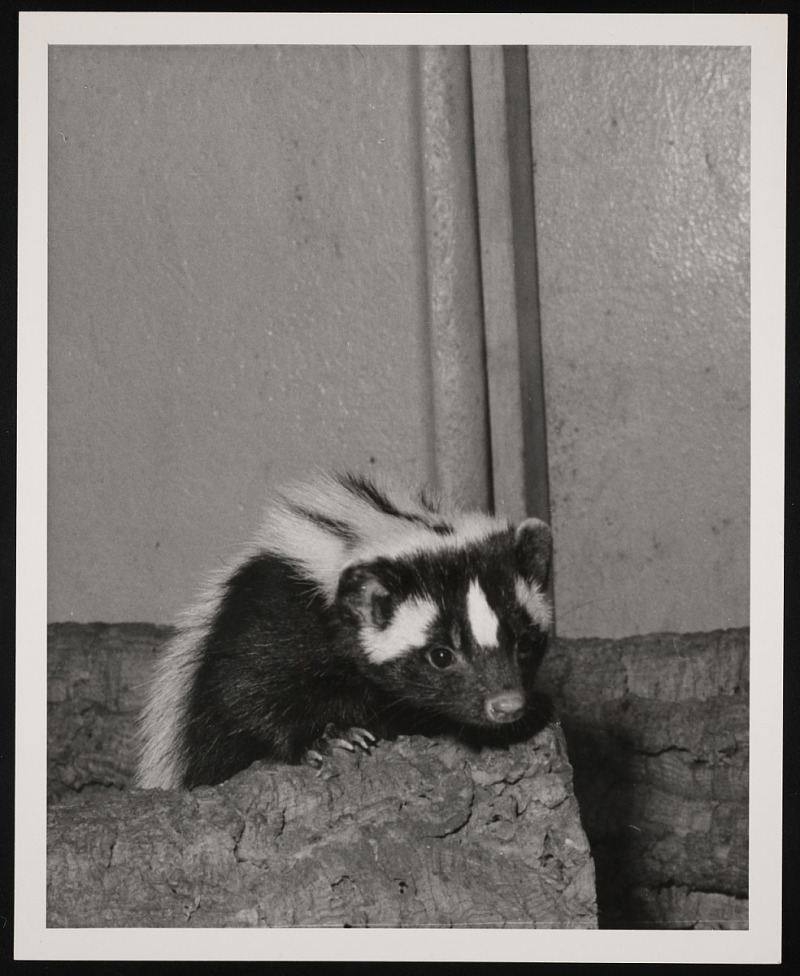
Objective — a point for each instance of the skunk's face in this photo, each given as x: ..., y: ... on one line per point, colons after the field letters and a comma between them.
x: 458, y: 634
x: 474, y: 671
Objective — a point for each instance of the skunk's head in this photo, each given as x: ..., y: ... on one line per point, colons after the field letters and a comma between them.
x: 457, y: 632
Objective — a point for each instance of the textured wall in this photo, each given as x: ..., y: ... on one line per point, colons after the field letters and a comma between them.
x: 642, y: 205
x: 237, y: 293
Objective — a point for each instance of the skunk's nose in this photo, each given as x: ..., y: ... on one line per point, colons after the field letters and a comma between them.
x: 505, y: 707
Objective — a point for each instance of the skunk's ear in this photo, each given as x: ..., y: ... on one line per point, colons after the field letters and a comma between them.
x: 533, y: 548
x: 363, y: 594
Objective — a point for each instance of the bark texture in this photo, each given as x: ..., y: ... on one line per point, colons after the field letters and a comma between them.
x: 97, y: 677
x: 657, y: 732
x: 418, y: 833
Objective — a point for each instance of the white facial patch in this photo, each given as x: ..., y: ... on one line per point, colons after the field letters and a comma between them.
x: 535, y: 602
x: 482, y: 619
x: 408, y: 629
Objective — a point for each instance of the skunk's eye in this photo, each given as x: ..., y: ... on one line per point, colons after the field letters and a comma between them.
x: 529, y: 645
x: 441, y: 657
x: 524, y: 646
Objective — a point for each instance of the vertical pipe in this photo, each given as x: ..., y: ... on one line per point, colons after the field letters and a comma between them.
x: 497, y: 275
x: 526, y: 280
x: 504, y: 168
x: 460, y: 421
x: 509, y: 281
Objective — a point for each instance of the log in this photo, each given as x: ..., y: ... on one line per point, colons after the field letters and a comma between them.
x: 656, y: 728
x: 417, y: 833
x: 96, y: 680
x: 658, y: 733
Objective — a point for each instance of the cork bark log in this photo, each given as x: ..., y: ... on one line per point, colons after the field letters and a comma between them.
x: 657, y: 733
x: 417, y: 833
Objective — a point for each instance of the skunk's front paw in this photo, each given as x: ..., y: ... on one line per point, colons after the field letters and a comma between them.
x: 336, y: 738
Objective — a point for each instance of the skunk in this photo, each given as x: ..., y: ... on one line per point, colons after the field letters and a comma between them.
x: 361, y: 610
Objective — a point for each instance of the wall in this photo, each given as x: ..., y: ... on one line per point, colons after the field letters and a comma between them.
x: 236, y: 294
x: 642, y: 182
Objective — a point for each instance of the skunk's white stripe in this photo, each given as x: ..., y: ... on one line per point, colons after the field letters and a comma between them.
x: 407, y: 540
x: 319, y: 554
x: 408, y: 629
x: 163, y: 719
x: 535, y: 602
x: 161, y: 761
x: 322, y: 555
x: 482, y: 619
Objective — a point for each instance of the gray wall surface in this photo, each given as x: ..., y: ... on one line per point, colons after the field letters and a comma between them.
x: 237, y: 294
x: 642, y: 206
